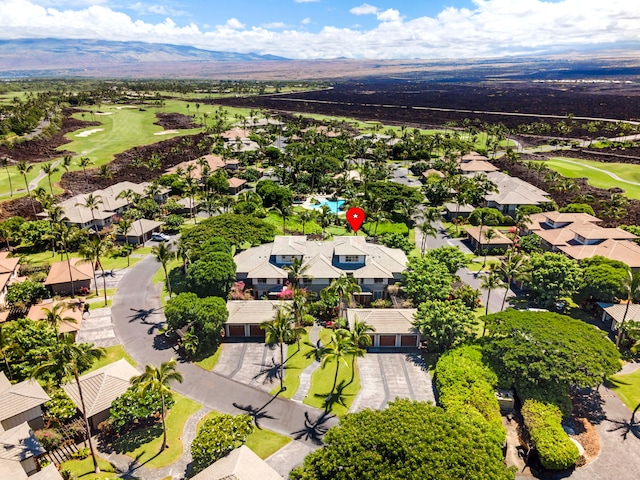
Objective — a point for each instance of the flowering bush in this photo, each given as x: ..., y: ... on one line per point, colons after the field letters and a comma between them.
x: 48, y: 438
x: 238, y: 292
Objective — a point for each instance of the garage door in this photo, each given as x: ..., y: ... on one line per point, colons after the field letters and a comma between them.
x: 256, y: 331
x: 236, y: 330
x: 408, y: 340
x: 387, y: 340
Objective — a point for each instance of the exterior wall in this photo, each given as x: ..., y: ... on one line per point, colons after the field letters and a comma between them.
x: 64, y: 288
x: 32, y: 416
x: 29, y: 465
x: 396, y: 340
x: 263, y: 288
x: 98, y: 418
x: 342, y: 259
x: 287, y: 259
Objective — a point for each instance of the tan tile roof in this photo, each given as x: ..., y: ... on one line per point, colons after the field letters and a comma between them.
x: 289, y: 245
x: 616, y: 311
x: 473, y: 156
x: 385, y: 320
x: 569, y: 217
x: 598, y: 233
x: 74, y: 311
x: 235, y: 182
x: 215, y: 162
x: 59, y: 272
x: 432, y: 171
x: 267, y: 270
x: 499, y: 239
x: 253, y: 311
x: 559, y: 236
x: 147, y: 226
x: 236, y: 132
x: 19, y: 398
x: 4, y: 279
x: 478, y: 166
x: 625, y: 251
x: 8, y: 264
x: 348, y: 245
x: 240, y: 464
x: 102, y: 386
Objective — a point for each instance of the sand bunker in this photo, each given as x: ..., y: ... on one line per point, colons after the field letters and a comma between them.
x: 166, y: 132
x: 104, y: 113
x: 89, y: 132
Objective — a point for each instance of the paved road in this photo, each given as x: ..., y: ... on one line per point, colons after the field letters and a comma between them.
x: 137, y: 315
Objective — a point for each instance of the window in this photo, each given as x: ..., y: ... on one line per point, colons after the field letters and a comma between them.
x: 351, y: 258
x: 378, y: 280
x: 262, y: 280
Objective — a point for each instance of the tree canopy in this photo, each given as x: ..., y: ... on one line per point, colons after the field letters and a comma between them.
x: 408, y: 440
x: 212, y: 276
x: 551, y: 276
x: 426, y: 279
x: 206, y: 316
x: 536, y: 350
x: 445, y: 323
x: 237, y: 229
x: 451, y: 257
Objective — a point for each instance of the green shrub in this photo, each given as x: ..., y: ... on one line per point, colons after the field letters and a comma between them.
x: 80, y: 454
x: 130, y: 408
x: 60, y: 409
x: 555, y: 450
x: 466, y: 385
x: 49, y: 439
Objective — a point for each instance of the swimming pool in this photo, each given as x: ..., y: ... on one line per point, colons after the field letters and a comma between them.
x: 334, y: 205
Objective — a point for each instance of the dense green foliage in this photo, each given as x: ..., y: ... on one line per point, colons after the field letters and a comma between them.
x: 467, y: 386
x: 205, y: 316
x: 212, y: 276
x: 31, y: 343
x: 542, y: 353
x: 530, y: 244
x: 134, y: 406
x: 217, y: 437
x: 426, y: 279
x: 273, y: 195
x: 486, y: 216
x: 397, y: 240
x: 408, y: 440
x: 543, y: 421
x: 551, y: 276
x: 445, y: 323
x: 237, y: 229
x: 603, y: 279
x: 451, y: 257
x: 60, y: 408
x: 389, y: 194
x: 578, y: 208
x: 25, y: 293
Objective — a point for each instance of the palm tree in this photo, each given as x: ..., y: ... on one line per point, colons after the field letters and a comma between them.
x: 53, y: 316
x: 5, y: 164
x: 337, y: 349
x: 92, y: 250
x: 158, y: 380
x: 184, y: 253
x: 23, y: 169
x: 427, y: 230
x: 124, y: 225
x: 490, y: 282
x: 69, y: 359
x: 91, y: 202
x: 511, y: 268
x: 631, y: 286
x: 66, y: 163
x: 488, y: 235
x: 6, y: 346
x: 284, y: 212
x: 360, y: 339
x: 297, y: 272
x: 49, y: 169
x: 280, y: 330
x: 84, y: 162
x: 343, y: 287
x: 164, y: 255
x: 305, y: 216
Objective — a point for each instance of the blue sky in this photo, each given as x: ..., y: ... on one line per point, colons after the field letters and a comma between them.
x: 308, y: 29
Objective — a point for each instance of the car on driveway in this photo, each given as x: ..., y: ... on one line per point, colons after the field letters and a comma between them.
x: 160, y: 237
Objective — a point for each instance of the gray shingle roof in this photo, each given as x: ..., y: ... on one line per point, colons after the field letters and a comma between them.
x: 253, y: 311
x: 240, y: 464
x: 102, y: 386
x: 385, y: 320
x: 19, y: 398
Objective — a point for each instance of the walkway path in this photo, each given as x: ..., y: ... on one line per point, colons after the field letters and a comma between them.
x: 305, y: 376
x: 612, y: 175
x: 130, y: 468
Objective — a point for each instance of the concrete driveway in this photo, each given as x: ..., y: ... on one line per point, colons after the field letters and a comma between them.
x: 253, y: 364
x: 385, y: 376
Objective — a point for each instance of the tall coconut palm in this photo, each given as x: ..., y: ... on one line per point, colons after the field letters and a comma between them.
x: 158, y: 380
x: 95, y: 248
x: 23, y: 169
x: 343, y: 287
x: 92, y: 202
x: 427, y: 231
x: 488, y: 235
x: 284, y: 212
x: 511, y: 268
x: 49, y: 169
x: 299, y: 309
x: 305, y: 216
x: 69, y: 360
x: 123, y: 227
x: 66, y: 163
x: 5, y: 164
x: 491, y: 281
x: 281, y: 331
x: 360, y: 339
x: 53, y: 316
x: 164, y: 255
x: 84, y: 162
x: 297, y: 272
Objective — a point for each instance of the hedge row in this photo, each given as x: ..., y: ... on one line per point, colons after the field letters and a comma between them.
x: 466, y: 385
x: 543, y: 421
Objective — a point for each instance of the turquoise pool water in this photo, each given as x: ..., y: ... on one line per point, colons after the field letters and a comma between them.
x: 334, y: 205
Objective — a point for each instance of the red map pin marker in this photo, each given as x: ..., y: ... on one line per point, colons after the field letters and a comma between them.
x: 355, y: 217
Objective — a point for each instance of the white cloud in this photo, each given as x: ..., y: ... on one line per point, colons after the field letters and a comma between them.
x: 489, y: 28
x: 306, y: 1
x: 275, y: 25
x: 305, y: 21
x: 364, y: 9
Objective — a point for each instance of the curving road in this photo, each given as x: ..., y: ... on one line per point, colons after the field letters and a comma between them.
x: 137, y: 315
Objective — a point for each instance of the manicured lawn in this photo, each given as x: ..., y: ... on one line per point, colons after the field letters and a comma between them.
x: 627, y: 387
x: 83, y: 469
x: 100, y: 304
x: 113, y: 354
x: 263, y: 442
x: 108, y: 262
x: 294, y: 366
x: 293, y: 223
x: 578, y: 168
x: 322, y: 381
x: 385, y: 227
x: 144, y: 444
x: 211, y: 361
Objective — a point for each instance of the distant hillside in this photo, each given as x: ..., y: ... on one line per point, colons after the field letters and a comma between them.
x: 58, y: 55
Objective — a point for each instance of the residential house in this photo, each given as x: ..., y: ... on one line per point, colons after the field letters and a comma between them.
x: 141, y: 230
x: 60, y: 276
x: 245, y: 317
x: 513, y: 193
x: 21, y: 402
x: 480, y: 242
x: 8, y: 271
x: 19, y: 452
x: 473, y: 165
x: 453, y: 210
x: 617, y: 312
x: 393, y: 326
x: 71, y: 310
x: 431, y: 173
x: 215, y: 162
x: 240, y: 464
x: 374, y: 266
x: 236, y: 185
x: 100, y: 388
